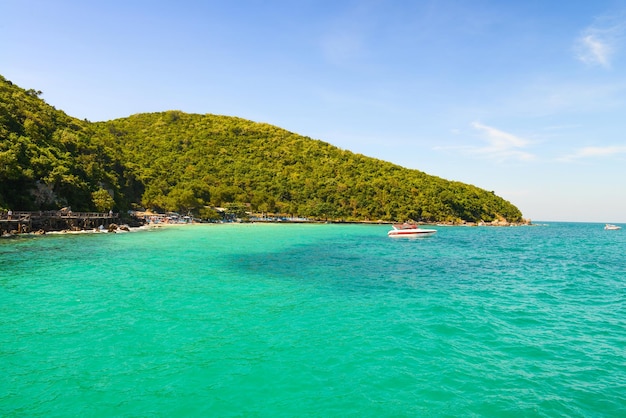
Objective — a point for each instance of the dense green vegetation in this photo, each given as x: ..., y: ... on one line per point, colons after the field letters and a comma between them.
x: 188, y: 162
x: 49, y: 159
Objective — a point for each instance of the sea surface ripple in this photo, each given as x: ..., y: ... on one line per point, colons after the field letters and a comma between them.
x: 274, y: 320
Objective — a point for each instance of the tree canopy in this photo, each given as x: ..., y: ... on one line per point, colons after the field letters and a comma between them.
x: 188, y: 162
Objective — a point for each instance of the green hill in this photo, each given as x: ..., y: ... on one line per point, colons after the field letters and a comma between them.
x: 188, y: 162
x: 49, y: 159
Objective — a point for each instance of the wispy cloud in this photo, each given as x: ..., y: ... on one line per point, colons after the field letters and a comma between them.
x: 598, y: 43
x: 501, y: 146
x: 595, y: 152
x: 592, y: 50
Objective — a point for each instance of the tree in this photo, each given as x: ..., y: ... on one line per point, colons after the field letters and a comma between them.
x: 209, y: 214
x: 182, y: 200
x: 237, y: 209
x: 102, y: 200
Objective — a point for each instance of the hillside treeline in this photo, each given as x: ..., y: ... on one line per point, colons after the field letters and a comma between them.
x: 173, y: 161
x: 50, y: 160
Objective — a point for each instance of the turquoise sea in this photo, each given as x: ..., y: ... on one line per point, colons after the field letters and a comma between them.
x: 274, y: 320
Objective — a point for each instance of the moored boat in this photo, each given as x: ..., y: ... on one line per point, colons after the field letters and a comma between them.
x: 612, y: 227
x: 409, y: 230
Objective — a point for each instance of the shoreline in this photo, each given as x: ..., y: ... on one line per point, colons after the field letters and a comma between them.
x: 125, y: 228
x: 120, y: 230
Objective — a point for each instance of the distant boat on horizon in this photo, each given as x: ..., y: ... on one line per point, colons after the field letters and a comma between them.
x: 612, y: 227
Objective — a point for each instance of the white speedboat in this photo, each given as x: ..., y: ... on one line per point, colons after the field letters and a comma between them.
x: 612, y: 227
x: 409, y: 230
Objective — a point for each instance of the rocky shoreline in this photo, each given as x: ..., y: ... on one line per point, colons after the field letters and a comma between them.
x: 140, y: 224
x: 111, y: 229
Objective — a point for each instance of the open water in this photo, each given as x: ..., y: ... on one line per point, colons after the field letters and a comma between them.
x: 315, y: 321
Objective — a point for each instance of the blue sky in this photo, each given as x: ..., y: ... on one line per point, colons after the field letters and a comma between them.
x: 523, y: 98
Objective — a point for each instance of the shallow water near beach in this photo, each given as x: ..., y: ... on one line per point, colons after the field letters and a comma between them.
x: 275, y: 320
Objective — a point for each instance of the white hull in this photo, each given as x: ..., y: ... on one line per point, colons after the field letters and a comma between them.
x: 414, y: 232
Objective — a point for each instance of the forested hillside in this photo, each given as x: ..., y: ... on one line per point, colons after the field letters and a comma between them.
x: 189, y: 162
x: 49, y: 160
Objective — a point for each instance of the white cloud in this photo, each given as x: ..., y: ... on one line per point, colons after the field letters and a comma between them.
x: 594, y: 51
x: 501, y: 145
x: 595, y: 152
x: 598, y: 43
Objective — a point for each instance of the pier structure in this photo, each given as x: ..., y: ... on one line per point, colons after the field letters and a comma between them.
x: 16, y: 222
x: 23, y: 222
